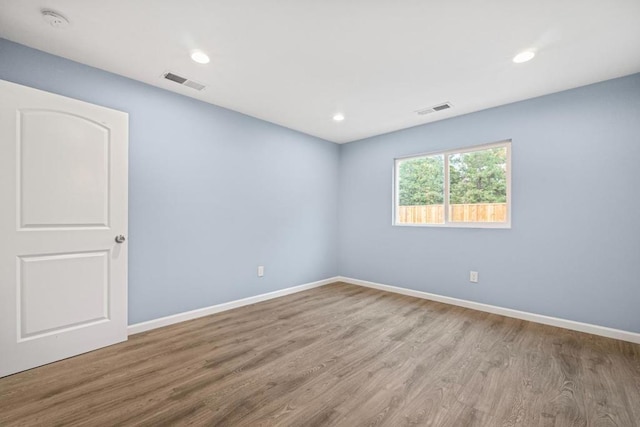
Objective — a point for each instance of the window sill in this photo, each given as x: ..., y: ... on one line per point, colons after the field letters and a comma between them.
x: 500, y: 225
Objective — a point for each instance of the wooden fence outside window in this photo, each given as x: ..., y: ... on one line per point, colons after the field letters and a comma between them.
x: 434, y: 214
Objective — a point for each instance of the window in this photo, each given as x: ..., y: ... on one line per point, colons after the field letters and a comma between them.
x: 469, y: 187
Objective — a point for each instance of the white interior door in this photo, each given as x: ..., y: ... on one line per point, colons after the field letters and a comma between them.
x: 63, y: 201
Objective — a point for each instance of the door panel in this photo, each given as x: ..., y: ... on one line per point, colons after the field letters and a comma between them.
x: 54, y: 187
x: 63, y: 192
x: 54, y: 295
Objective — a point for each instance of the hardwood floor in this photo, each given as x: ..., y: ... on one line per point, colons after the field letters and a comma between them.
x: 338, y: 355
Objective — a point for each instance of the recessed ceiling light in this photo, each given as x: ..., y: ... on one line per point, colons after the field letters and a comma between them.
x: 200, y: 57
x: 338, y: 117
x: 525, y: 56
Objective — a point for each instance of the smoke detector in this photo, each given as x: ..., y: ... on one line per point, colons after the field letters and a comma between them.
x: 55, y: 19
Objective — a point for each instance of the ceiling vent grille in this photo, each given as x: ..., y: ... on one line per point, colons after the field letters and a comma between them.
x: 435, y: 108
x: 183, y: 81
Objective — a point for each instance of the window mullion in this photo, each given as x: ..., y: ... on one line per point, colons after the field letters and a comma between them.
x: 446, y: 189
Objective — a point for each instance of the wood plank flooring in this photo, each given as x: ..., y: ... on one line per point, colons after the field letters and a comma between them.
x: 339, y: 355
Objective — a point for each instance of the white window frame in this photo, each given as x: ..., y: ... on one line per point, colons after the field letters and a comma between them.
x: 396, y: 187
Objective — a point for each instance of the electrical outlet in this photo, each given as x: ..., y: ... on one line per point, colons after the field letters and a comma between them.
x: 260, y: 270
x: 473, y: 276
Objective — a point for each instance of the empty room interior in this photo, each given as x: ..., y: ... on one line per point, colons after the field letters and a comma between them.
x: 319, y: 213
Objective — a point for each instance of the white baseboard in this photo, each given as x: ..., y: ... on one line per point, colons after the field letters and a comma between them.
x: 206, y: 311
x: 517, y: 314
x: 633, y: 337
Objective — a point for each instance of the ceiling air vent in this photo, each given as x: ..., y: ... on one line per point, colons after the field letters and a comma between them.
x: 439, y: 107
x: 183, y: 81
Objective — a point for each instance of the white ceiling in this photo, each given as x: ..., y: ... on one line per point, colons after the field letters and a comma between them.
x: 298, y: 62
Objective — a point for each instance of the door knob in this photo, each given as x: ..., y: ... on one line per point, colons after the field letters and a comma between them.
x: 120, y: 238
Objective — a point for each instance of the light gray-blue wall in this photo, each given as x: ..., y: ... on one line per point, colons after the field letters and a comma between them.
x: 212, y: 193
x: 574, y: 247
